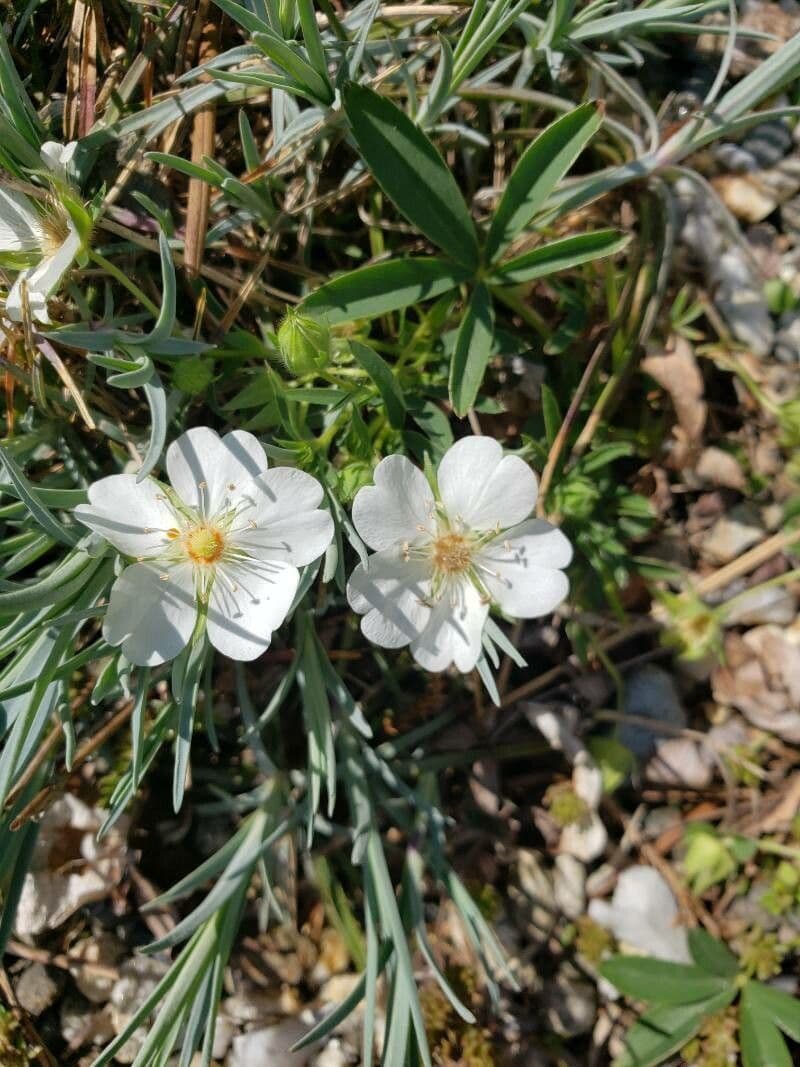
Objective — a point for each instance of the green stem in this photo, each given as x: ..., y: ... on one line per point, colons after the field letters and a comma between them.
x: 124, y: 280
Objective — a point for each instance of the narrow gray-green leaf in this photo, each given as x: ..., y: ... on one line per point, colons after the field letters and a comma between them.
x: 761, y: 1041
x: 473, y: 348
x: 38, y: 512
x: 661, y: 1031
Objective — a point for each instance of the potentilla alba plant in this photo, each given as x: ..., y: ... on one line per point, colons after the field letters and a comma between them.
x: 40, y: 239
x: 223, y: 544
x: 441, y: 560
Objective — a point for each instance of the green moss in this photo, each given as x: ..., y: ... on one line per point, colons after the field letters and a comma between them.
x: 14, y: 1049
x: 716, y: 1044
x: 761, y: 955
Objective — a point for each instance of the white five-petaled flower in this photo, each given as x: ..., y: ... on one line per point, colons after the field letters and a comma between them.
x: 226, y: 539
x: 42, y: 240
x: 440, y: 563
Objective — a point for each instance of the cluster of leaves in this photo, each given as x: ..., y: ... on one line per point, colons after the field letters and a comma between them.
x: 683, y: 996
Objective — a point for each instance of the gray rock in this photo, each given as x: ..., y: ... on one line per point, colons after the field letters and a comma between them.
x: 768, y: 143
x: 36, y: 990
x: 272, y: 1047
x: 740, y: 300
x: 650, y: 693
x: 569, y: 885
x: 733, y: 534
x: 787, y: 341
x: 569, y: 1004
x: 759, y: 606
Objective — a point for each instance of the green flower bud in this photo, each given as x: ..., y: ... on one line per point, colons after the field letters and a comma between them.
x: 305, y: 343
x: 352, y: 478
x: 193, y: 376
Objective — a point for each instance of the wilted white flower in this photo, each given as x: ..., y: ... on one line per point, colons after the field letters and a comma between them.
x: 40, y: 240
x: 573, y: 806
x: 440, y: 562
x: 226, y: 540
x: 585, y: 837
x: 643, y: 914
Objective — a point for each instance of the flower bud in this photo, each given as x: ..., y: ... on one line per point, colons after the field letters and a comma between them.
x: 352, y: 477
x: 193, y: 375
x: 305, y: 343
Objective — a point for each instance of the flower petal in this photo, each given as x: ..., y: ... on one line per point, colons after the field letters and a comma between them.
x: 484, y: 487
x: 390, y: 511
x: 454, y: 630
x: 585, y: 840
x: 20, y: 224
x: 13, y: 308
x: 150, y: 617
x: 643, y: 913
x: 284, y: 521
x: 520, y: 569
x: 247, y: 603
x: 132, y: 516
x: 209, y: 472
x: 42, y: 280
x: 57, y: 157
x: 390, y: 593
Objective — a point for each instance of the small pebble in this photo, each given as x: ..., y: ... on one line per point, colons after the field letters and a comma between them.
x: 36, y: 990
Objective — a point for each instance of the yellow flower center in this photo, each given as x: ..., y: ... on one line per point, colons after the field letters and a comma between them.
x: 452, y: 553
x: 203, y: 544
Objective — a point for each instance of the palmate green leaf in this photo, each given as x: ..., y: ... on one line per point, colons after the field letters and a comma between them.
x: 783, y: 1009
x: 541, y: 167
x: 662, y: 1031
x: 712, y: 955
x: 645, y: 978
x: 411, y: 172
x: 559, y: 255
x: 383, y: 287
x: 385, y: 382
x: 760, y: 1039
x: 472, y: 351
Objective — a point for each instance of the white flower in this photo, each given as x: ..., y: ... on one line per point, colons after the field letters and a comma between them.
x: 42, y: 239
x: 643, y: 914
x: 584, y: 836
x: 227, y: 538
x: 439, y: 564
